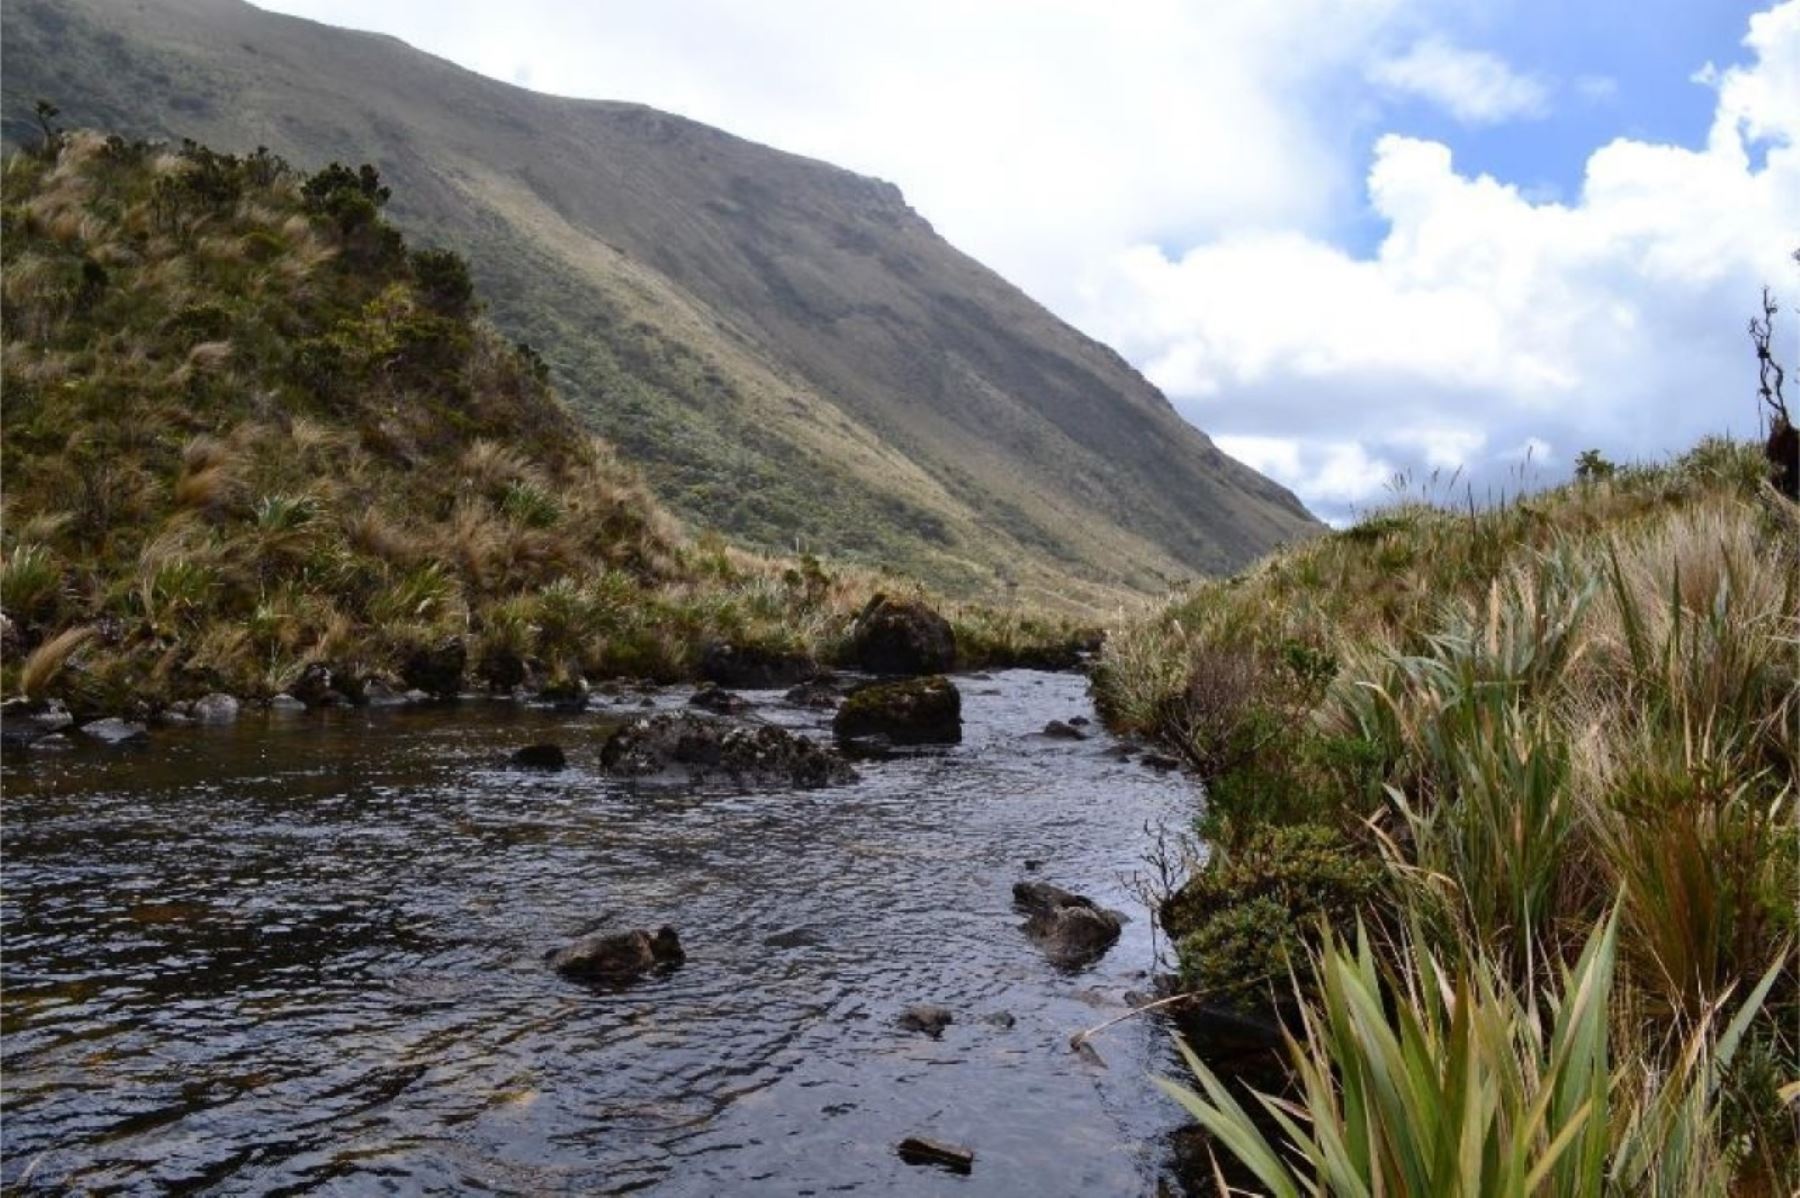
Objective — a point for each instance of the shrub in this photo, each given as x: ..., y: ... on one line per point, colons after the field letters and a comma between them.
x: 1287, y: 881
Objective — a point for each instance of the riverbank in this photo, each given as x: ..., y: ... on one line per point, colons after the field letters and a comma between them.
x: 1486, y: 732
x: 252, y: 435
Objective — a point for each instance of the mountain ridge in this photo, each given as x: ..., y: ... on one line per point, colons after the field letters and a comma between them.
x: 786, y: 347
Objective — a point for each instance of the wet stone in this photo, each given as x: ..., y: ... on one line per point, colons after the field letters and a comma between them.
x: 547, y: 757
x: 928, y: 1018
x: 917, y: 1150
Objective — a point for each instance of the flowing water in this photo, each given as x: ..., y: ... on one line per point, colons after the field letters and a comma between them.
x: 305, y: 954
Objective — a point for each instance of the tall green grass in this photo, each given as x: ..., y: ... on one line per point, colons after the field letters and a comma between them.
x: 1571, y: 713
x: 1427, y: 1077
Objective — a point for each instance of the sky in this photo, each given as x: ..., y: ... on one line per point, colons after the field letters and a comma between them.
x: 1364, y: 244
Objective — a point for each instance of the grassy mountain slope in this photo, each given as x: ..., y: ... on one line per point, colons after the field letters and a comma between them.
x: 249, y: 431
x: 789, y: 351
x: 1561, y: 734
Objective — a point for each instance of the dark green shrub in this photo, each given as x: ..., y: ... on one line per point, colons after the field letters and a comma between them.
x: 444, y: 282
x: 1264, y: 900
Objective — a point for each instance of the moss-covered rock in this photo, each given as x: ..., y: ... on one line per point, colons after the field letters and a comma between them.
x: 915, y: 711
x: 902, y: 636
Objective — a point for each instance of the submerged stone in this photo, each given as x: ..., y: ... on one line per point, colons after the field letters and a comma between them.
x: 917, y: 1150
x: 715, y: 698
x: 619, y: 956
x: 546, y: 756
x: 115, y: 731
x: 928, y: 1018
x: 702, y: 748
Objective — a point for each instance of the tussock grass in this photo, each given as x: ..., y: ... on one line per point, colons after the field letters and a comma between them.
x: 42, y: 666
x: 248, y: 429
x: 1574, y: 710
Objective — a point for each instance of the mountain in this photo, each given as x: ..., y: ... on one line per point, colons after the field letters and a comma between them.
x: 789, y: 352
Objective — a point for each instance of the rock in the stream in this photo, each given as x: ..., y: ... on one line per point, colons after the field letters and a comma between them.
x: 917, y: 1150
x: 1069, y: 927
x: 754, y: 667
x: 1160, y: 762
x: 314, y: 686
x: 928, y: 1018
x: 902, y: 636
x: 716, y: 699
x: 820, y: 692
x: 285, y: 702
x: 548, y: 757
x: 763, y: 755
x: 1079, y: 721
x: 1000, y: 1019
x: 565, y: 694
x: 23, y: 721
x: 1058, y: 730
x: 914, y: 712
x: 216, y: 708
x: 114, y: 731
x: 619, y: 956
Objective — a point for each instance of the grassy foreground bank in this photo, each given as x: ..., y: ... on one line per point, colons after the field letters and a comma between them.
x: 249, y: 430
x: 1512, y: 792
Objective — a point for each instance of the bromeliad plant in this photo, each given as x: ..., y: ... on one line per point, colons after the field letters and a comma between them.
x: 1435, y: 1080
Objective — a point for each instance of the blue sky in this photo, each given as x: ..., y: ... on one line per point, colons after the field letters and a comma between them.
x: 1347, y: 238
x: 1611, y: 68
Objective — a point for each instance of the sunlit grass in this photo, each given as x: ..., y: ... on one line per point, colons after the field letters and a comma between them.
x: 1572, y: 710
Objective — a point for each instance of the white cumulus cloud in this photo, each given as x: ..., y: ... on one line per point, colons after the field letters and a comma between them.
x: 1485, y: 322
x: 1471, y: 85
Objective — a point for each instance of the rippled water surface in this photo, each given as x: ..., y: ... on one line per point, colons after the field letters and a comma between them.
x: 307, y: 955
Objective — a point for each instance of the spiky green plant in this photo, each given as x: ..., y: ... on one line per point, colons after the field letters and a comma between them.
x: 1438, y: 1081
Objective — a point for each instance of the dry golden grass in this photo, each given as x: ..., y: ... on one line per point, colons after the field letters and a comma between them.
x: 38, y: 673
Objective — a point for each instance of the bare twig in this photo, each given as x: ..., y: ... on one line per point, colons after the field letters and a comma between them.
x: 1082, y: 1037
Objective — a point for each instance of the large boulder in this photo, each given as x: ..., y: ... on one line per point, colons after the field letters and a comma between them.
x: 701, y: 748
x: 902, y: 636
x: 915, y: 711
x: 436, y: 669
x: 754, y: 667
x: 619, y: 956
x: 1071, y: 928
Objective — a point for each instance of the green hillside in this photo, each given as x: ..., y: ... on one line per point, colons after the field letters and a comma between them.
x: 248, y: 431
x: 789, y: 352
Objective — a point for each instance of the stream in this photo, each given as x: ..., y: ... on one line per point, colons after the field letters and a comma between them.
x: 305, y: 954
